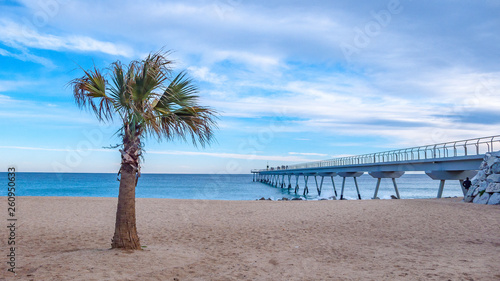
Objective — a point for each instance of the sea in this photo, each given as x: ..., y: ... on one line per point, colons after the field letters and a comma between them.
x: 220, y: 186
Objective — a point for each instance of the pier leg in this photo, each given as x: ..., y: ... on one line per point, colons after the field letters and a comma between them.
x: 283, y: 181
x: 289, y: 182
x: 396, y: 188
x: 357, y: 188
x: 376, y: 188
x: 306, y: 190
x: 334, y: 189
x: 462, y: 186
x: 320, y: 186
x: 317, y: 187
x: 297, y: 184
x: 441, y: 187
x: 342, y: 192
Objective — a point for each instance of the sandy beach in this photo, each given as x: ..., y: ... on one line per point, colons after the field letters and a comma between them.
x: 68, y: 238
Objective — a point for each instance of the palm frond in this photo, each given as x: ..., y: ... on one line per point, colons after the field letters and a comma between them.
x: 119, y: 88
x: 151, y: 75
x: 181, y: 116
x: 90, y: 93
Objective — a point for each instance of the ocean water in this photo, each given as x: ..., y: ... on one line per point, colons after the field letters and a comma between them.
x: 218, y: 187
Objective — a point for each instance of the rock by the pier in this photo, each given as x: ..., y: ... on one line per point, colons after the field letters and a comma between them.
x: 393, y: 197
x: 296, y: 198
x: 471, y: 190
x: 493, y: 187
x: 495, y: 168
x: 494, y: 199
x: 479, y: 176
x: 492, y: 160
x: 493, y: 178
x: 262, y: 198
x: 485, y: 187
x: 476, y: 191
x: 482, y: 199
x: 284, y: 199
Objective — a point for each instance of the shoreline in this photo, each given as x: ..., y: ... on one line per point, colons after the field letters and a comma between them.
x: 61, y: 238
x: 301, y: 198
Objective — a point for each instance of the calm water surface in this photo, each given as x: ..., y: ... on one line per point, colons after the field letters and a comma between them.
x: 217, y: 187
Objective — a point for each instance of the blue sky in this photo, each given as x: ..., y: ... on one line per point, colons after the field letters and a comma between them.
x: 294, y: 81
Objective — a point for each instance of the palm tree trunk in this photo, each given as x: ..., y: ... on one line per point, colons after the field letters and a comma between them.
x: 125, y: 236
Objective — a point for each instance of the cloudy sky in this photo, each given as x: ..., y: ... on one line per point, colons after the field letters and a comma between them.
x: 293, y: 81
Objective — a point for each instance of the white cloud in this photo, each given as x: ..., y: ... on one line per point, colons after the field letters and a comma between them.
x: 24, y: 55
x: 52, y: 149
x: 9, y: 85
x: 15, y: 35
x: 234, y: 156
x: 260, y: 61
x: 204, y: 74
x: 3, y: 98
x: 307, y: 153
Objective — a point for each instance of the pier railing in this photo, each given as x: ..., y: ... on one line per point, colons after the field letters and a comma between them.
x: 468, y: 147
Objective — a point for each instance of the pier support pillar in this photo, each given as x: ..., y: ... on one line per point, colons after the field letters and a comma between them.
x: 289, y: 181
x: 320, y: 185
x: 306, y: 178
x: 392, y: 175
x: 334, y: 189
x: 443, y: 176
x: 306, y: 189
x: 297, y: 183
x: 331, y: 175
x: 353, y: 175
x: 441, y: 188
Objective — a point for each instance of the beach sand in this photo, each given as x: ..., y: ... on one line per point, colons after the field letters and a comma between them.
x: 68, y: 238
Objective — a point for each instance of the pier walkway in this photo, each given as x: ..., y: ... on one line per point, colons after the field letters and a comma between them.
x: 444, y: 161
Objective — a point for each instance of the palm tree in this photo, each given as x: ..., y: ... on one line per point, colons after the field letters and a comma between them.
x: 150, y: 102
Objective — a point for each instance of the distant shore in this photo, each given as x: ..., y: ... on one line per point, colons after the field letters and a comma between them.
x: 68, y: 238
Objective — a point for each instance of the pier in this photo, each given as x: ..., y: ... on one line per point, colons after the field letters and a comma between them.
x: 455, y: 160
